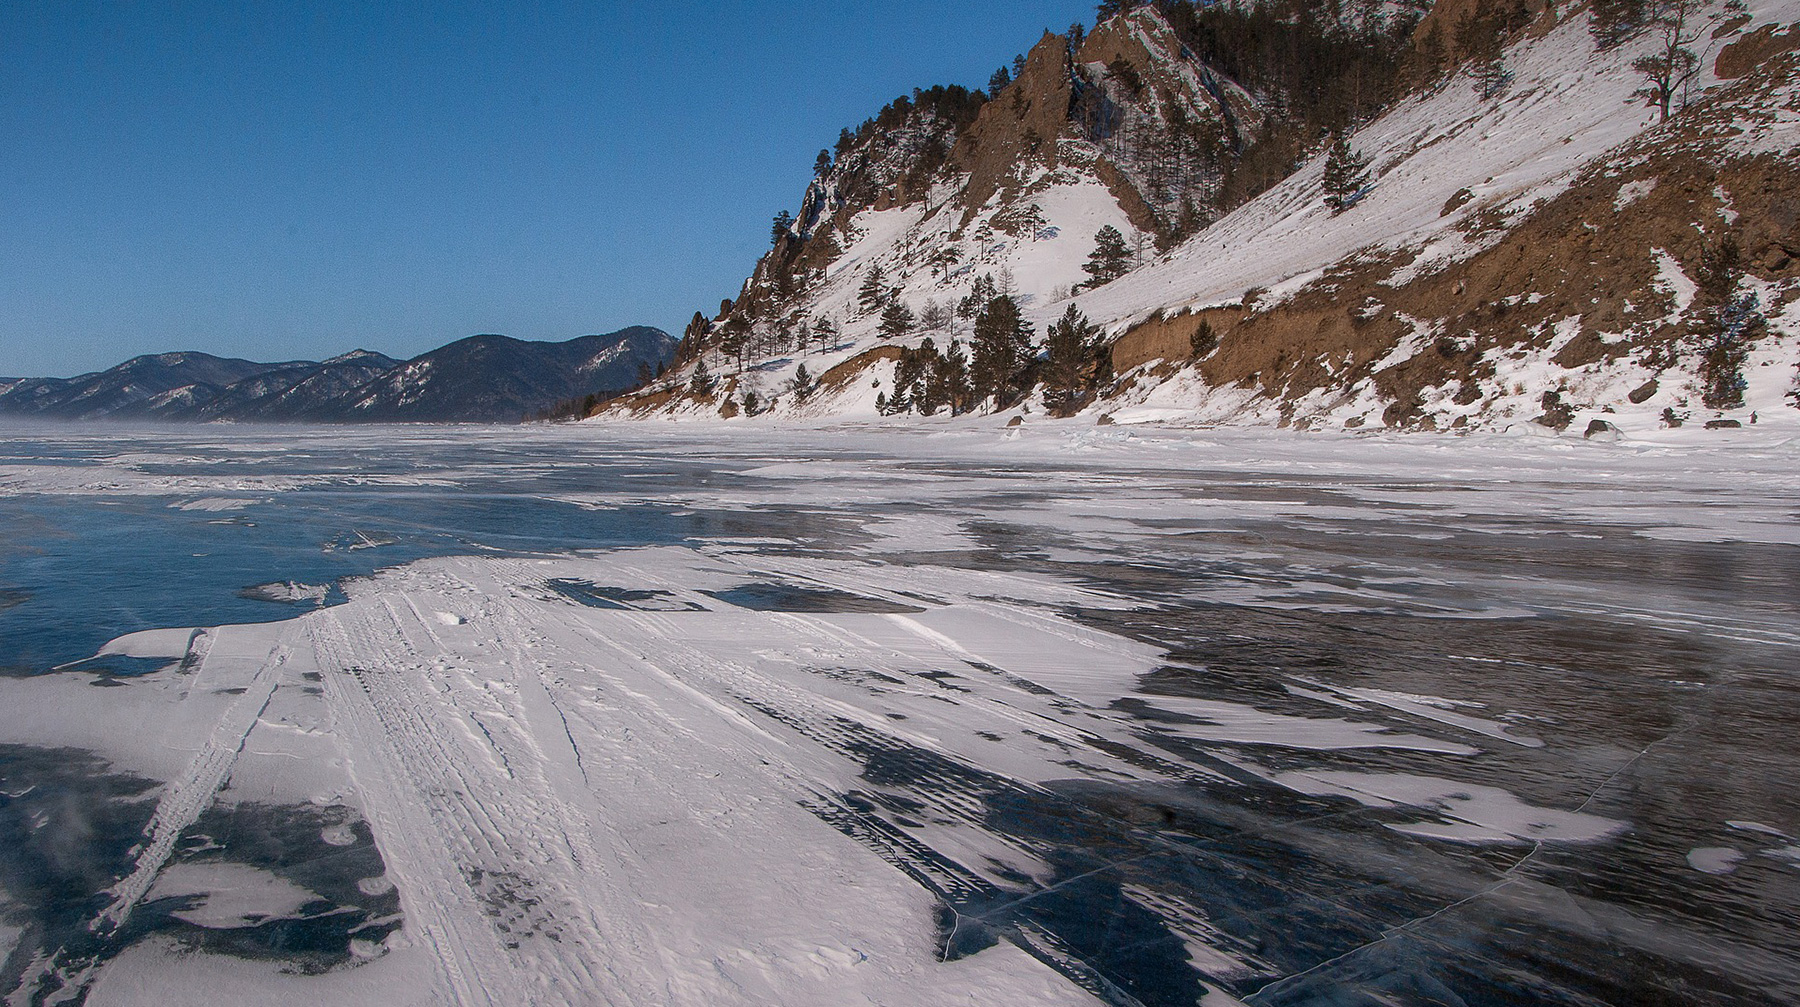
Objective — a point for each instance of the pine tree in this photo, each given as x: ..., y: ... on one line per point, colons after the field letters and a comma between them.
x: 784, y: 222
x: 1001, y: 351
x: 735, y: 342
x: 1728, y: 322
x: 1112, y: 8
x: 822, y: 166
x: 1492, y: 77
x: 981, y: 292
x: 802, y: 384
x: 954, y: 373
x: 1203, y: 341
x: 1346, y: 175
x: 873, y: 294
x: 1110, y: 259
x: 1069, y: 360
x: 896, y: 320
x: 702, y: 384
x: 998, y: 82
x: 1430, y: 56
x: 826, y: 332
x: 1615, y: 21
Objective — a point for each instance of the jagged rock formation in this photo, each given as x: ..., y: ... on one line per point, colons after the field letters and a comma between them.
x: 479, y: 379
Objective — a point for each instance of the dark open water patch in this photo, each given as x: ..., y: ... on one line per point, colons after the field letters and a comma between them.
x: 288, y: 842
x: 71, y: 826
x: 592, y: 595
x: 779, y: 596
x: 68, y: 826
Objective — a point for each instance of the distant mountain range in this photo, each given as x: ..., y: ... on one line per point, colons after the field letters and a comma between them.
x: 481, y: 379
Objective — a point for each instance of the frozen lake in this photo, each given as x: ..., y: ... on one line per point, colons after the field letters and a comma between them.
x: 652, y: 714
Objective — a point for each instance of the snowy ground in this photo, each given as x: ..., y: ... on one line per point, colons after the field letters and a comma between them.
x: 935, y: 715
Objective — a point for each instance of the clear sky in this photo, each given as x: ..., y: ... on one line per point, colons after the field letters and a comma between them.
x: 283, y: 180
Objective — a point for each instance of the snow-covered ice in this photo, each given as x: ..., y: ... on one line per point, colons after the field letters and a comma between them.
x: 954, y: 714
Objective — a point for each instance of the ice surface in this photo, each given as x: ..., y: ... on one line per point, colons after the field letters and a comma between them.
x: 230, y: 895
x: 1187, y: 714
x: 1714, y: 859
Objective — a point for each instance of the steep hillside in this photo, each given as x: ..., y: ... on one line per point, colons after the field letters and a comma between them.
x: 1528, y: 246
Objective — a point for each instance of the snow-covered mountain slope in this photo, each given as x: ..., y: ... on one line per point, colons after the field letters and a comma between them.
x: 1529, y: 254
x: 491, y: 379
x: 1031, y: 181
x: 1543, y: 242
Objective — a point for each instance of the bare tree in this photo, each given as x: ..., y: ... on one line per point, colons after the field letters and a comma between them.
x: 1677, y: 25
x: 935, y: 316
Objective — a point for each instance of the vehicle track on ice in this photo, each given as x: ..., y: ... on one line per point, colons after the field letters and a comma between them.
x: 190, y: 794
x: 498, y: 874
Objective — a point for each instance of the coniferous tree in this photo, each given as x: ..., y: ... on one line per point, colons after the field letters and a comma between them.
x: 702, y: 384
x: 822, y: 166
x: 826, y: 332
x: 1614, y: 21
x: 1001, y: 350
x: 1203, y: 340
x: 980, y: 293
x: 802, y: 384
x: 1069, y: 361
x: 1492, y: 76
x: 998, y: 82
x: 784, y: 222
x: 873, y: 294
x: 896, y: 320
x: 1430, y: 56
x: 735, y: 342
x: 1728, y: 322
x: 954, y: 371
x: 935, y: 316
x: 1346, y: 175
x: 1110, y: 259
x: 1112, y: 8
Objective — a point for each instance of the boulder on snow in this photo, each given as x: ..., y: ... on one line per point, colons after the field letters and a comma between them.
x: 1723, y: 424
x: 1104, y: 421
x: 1600, y: 430
x: 1642, y: 393
x: 1016, y: 421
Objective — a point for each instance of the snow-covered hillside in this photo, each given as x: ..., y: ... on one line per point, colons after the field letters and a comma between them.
x: 1460, y: 183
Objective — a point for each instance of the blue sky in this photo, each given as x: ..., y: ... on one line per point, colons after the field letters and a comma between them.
x: 280, y: 181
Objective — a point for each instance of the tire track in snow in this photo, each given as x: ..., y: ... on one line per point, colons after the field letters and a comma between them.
x: 192, y: 793
x: 500, y: 871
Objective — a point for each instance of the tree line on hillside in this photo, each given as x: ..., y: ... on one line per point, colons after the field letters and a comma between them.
x: 1002, y: 367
